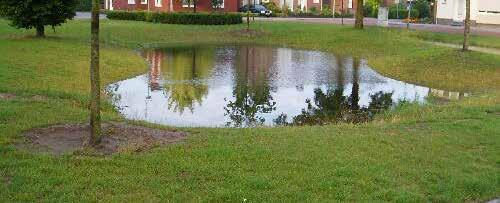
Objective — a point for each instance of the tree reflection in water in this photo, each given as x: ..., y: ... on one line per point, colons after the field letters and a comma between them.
x: 331, y: 106
x: 187, y: 67
x: 251, y: 90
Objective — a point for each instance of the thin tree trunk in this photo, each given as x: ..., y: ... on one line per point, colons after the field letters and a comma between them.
x: 358, y: 24
x: 40, y: 31
x: 95, y: 93
x: 355, y: 85
x: 194, y: 6
x: 466, y: 26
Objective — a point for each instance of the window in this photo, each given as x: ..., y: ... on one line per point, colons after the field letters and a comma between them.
x: 187, y: 3
x: 444, y: 1
x: 316, y: 1
x: 131, y: 1
x: 158, y: 3
x: 349, y: 5
x: 221, y: 4
x: 144, y: 1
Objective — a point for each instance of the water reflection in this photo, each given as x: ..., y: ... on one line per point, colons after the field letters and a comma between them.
x: 252, y: 85
x: 251, y: 92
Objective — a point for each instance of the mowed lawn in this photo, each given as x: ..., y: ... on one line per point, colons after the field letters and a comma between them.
x: 441, y: 152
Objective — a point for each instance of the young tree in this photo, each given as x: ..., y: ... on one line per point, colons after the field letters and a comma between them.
x: 466, y: 26
x: 358, y: 23
x: 95, y: 87
x: 30, y: 14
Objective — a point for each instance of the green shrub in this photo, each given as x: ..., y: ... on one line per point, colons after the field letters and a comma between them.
x: 345, y: 15
x: 327, y: 11
x: 403, y: 13
x: 178, y: 18
x: 127, y: 15
x: 313, y: 10
x: 272, y: 7
x: 84, y: 5
x: 371, y: 9
x: 423, y: 7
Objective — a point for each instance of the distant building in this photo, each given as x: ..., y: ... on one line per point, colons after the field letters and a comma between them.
x: 482, y: 11
x: 170, y: 5
x: 341, y: 6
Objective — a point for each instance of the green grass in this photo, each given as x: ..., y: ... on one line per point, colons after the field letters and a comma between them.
x: 445, y: 153
x: 481, y: 41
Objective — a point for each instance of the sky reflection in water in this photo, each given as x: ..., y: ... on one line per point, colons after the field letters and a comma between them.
x: 217, y: 86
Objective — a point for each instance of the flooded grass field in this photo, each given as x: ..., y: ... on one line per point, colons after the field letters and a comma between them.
x: 244, y: 86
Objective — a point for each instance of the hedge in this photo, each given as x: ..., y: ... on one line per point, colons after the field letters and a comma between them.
x: 403, y: 13
x: 177, y: 18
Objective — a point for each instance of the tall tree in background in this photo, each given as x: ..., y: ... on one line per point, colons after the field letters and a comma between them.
x: 466, y: 26
x: 30, y: 14
x: 95, y: 87
x: 358, y: 24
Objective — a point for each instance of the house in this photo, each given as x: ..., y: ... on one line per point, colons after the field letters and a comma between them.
x: 482, y: 11
x: 171, y: 5
x: 345, y: 6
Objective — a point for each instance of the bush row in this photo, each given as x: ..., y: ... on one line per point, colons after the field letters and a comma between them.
x: 402, y: 14
x: 177, y: 18
x: 419, y: 10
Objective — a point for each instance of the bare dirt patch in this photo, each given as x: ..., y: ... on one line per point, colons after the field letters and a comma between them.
x: 7, y: 96
x: 117, y: 137
x: 7, y: 180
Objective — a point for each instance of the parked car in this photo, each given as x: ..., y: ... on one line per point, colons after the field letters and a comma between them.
x: 258, y: 9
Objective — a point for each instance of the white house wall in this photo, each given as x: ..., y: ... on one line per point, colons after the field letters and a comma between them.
x: 482, y: 11
x: 488, y: 12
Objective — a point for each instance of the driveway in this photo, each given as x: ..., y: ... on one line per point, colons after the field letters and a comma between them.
x: 476, y: 30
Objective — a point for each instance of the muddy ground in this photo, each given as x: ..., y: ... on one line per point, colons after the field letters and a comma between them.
x: 117, y: 137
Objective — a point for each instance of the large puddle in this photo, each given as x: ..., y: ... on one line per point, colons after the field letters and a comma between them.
x: 241, y: 86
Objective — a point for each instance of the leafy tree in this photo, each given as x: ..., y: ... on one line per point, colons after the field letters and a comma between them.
x: 423, y: 7
x: 37, y: 14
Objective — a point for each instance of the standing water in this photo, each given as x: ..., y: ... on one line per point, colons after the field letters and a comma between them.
x: 241, y: 86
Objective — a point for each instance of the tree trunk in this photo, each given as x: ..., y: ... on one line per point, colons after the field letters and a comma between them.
x: 194, y: 6
x: 466, y: 26
x: 358, y: 24
x: 355, y: 85
x: 95, y: 93
x: 40, y: 31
